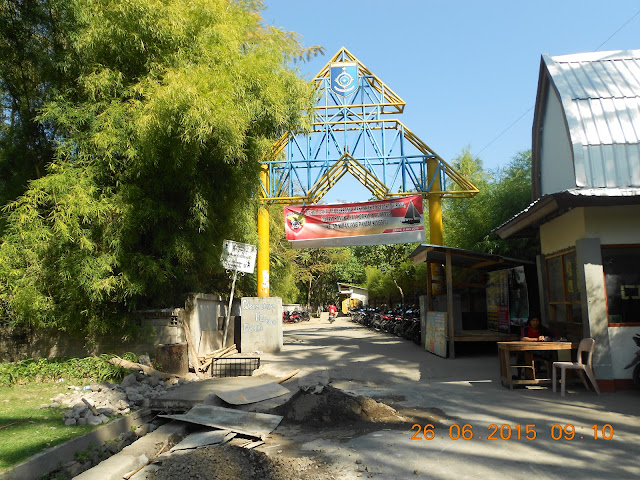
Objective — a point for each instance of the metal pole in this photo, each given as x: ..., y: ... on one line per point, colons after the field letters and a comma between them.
x: 263, y: 240
x: 435, y: 219
x: 226, y: 322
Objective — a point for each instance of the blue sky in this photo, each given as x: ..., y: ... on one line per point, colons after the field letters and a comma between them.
x: 467, y: 69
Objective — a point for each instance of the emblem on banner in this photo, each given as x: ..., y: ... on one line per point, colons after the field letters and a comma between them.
x: 344, y: 78
x: 295, y: 221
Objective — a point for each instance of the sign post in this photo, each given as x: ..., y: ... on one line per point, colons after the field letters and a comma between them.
x: 237, y: 257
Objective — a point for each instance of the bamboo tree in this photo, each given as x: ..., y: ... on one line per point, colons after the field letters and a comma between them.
x: 158, y: 134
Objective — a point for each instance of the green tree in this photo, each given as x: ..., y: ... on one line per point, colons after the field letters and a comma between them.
x: 465, y: 220
x: 378, y: 285
x: 503, y: 193
x: 314, y: 267
x: 283, y: 278
x: 391, y: 261
x: 157, y: 140
x: 349, y: 269
x: 33, y: 43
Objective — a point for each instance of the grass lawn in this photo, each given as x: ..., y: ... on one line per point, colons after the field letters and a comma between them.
x: 37, y: 429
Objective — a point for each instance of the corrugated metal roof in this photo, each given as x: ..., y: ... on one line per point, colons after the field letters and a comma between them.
x: 600, y: 94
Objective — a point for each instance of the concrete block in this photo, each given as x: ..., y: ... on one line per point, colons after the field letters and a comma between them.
x: 261, y: 324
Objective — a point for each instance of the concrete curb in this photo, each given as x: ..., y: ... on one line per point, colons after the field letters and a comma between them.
x: 137, y: 454
x: 51, y: 459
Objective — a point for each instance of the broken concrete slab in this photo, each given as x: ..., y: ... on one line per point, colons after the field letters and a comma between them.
x: 314, y: 382
x: 186, y: 396
x: 203, y: 439
x: 246, y: 423
x: 251, y: 393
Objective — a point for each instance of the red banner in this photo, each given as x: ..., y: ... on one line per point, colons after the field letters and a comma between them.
x: 399, y: 220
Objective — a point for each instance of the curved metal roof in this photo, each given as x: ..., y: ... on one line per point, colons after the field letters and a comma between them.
x: 600, y: 95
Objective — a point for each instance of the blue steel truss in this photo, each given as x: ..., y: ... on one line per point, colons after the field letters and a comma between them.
x: 353, y: 134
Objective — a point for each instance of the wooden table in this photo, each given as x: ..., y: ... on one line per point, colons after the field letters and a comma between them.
x: 505, y: 349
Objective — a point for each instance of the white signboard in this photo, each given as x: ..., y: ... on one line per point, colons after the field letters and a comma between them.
x: 238, y: 256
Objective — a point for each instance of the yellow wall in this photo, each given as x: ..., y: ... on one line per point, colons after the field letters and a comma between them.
x: 562, y: 232
x: 612, y: 225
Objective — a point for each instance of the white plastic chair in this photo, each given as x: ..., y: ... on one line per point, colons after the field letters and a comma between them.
x: 586, y: 346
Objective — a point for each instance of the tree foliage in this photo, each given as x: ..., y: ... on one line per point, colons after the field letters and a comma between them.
x: 503, y: 194
x: 391, y: 261
x: 158, y: 124
x: 32, y: 68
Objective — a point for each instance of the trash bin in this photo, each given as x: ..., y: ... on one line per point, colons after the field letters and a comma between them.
x: 173, y: 358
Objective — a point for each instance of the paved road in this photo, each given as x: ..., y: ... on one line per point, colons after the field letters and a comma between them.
x: 468, y: 389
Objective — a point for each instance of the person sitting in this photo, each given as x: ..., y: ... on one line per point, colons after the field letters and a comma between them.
x: 534, y: 331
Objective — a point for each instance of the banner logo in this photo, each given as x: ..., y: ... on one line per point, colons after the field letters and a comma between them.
x: 295, y: 221
x: 344, y: 78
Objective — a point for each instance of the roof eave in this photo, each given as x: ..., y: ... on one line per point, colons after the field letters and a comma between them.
x: 549, y: 206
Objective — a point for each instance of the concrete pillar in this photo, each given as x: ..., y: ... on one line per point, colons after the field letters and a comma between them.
x: 261, y: 324
x: 594, y: 304
x: 543, y: 290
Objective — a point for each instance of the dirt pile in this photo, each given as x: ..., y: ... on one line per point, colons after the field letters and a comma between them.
x: 235, y: 463
x: 334, y: 407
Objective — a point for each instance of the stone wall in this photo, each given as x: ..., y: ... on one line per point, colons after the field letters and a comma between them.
x: 22, y: 342
x: 204, y: 314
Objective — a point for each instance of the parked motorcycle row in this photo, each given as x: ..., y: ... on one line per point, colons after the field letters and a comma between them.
x: 295, y: 316
x: 396, y: 322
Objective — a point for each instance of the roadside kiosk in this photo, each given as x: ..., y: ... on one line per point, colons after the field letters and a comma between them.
x: 489, y: 304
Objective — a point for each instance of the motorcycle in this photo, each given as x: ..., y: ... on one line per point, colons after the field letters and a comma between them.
x: 636, y: 362
x: 287, y: 318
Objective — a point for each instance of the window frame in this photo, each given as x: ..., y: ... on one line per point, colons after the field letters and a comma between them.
x: 604, y: 281
x: 569, y: 305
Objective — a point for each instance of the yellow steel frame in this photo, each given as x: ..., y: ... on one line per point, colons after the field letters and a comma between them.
x: 423, y: 172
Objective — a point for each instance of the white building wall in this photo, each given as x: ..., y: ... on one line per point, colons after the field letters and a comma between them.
x: 623, y: 350
x: 556, y: 159
x: 614, y: 225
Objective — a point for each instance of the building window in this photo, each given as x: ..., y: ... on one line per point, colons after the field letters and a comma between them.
x: 621, y: 265
x: 564, y: 295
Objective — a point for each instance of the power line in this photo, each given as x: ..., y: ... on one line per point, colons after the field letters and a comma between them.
x: 531, y: 108
x: 504, y: 131
x: 614, y: 33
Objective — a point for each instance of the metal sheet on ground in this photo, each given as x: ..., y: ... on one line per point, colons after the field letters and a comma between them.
x: 188, y: 395
x: 251, y: 394
x: 203, y: 439
x: 246, y: 423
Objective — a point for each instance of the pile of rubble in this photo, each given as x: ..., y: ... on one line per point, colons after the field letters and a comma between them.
x: 98, y: 403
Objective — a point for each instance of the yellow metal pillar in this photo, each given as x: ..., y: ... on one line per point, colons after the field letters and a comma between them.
x: 263, y: 240
x: 435, y: 222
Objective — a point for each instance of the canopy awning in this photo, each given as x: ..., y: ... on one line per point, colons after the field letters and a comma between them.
x: 464, y: 258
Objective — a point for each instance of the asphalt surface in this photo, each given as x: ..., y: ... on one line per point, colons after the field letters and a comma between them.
x: 492, y: 432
